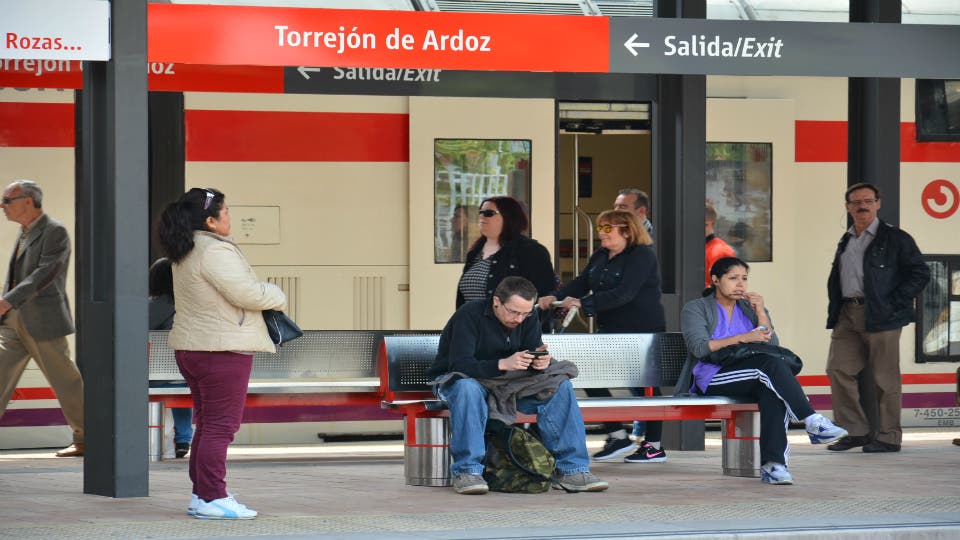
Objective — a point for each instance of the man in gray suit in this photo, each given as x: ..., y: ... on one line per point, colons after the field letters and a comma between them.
x: 35, y: 310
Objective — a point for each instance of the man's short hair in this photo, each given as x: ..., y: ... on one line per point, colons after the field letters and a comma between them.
x: 29, y: 188
x: 861, y: 185
x: 515, y: 285
x: 643, y: 200
x: 710, y: 215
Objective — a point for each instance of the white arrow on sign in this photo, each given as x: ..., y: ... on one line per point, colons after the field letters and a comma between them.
x: 632, y: 45
x: 305, y: 71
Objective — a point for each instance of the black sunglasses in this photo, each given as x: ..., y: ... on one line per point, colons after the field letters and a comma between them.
x: 488, y: 213
x: 8, y: 200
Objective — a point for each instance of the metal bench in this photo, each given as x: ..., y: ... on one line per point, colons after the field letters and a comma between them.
x: 604, y: 361
x: 324, y: 368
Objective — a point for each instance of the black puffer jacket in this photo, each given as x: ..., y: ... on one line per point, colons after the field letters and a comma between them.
x: 893, y: 275
x: 524, y: 257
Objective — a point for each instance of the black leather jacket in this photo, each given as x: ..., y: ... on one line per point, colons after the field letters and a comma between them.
x: 894, y: 274
x: 522, y: 257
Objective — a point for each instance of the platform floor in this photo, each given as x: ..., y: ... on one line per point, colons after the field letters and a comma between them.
x: 356, y: 491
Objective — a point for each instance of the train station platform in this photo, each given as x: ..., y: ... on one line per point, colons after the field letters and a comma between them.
x: 356, y: 491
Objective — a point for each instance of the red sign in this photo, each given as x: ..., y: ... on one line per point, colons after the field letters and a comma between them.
x: 161, y: 76
x: 271, y: 36
x: 940, y: 199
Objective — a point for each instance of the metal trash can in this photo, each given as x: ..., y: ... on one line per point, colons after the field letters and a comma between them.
x: 426, y: 460
x: 155, y: 430
x: 741, y: 445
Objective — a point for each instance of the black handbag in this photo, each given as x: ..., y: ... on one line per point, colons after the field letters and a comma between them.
x: 280, y: 327
x: 732, y: 353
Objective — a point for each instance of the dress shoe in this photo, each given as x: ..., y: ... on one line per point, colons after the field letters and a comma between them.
x: 181, y: 449
x: 956, y: 442
x: 879, y: 446
x: 848, y: 442
x: 74, y: 450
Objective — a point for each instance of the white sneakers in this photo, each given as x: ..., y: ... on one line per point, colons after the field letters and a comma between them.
x: 225, y: 508
x: 776, y: 474
x: 822, y: 431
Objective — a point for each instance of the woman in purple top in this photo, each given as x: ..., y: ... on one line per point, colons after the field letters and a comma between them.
x: 730, y: 316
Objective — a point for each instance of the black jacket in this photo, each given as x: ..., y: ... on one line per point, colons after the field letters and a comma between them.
x: 522, y: 257
x: 624, y: 293
x: 474, y: 341
x: 893, y: 275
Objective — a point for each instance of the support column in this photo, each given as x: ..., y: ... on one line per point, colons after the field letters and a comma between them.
x: 679, y: 150
x: 111, y: 258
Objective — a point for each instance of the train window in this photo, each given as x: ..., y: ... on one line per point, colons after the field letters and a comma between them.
x: 938, y: 110
x: 465, y: 172
x: 938, y: 324
x: 740, y: 186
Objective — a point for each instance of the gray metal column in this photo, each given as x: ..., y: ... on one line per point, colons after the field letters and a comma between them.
x: 111, y: 258
x: 679, y: 150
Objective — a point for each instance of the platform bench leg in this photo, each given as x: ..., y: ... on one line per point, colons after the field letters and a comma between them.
x: 741, y: 445
x: 426, y: 451
x: 155, y: 414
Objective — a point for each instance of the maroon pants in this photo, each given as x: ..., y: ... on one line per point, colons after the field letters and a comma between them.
x: 218, y: 382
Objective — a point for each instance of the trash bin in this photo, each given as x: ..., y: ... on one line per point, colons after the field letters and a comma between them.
x: 741, y: 445
x: 426, y: 452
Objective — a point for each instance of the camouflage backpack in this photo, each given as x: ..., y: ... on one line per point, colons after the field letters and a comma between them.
x: 517, y: 462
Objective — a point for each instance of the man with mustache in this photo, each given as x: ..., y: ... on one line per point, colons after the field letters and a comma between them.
x: 877, y: 273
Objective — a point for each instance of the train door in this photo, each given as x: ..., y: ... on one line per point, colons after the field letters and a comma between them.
x: 603, y: 148
x: 463, y: 150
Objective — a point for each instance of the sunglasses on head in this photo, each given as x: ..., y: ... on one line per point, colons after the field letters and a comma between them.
x: 607, y: 228
x: 488, y: 213
x: 208, y: 200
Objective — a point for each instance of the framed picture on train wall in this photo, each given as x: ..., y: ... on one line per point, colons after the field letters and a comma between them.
x: 739, y: 180
x: 465, y: 172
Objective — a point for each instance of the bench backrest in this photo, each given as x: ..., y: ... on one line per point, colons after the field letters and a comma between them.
x: 604, y: 360
x: 319, y: 354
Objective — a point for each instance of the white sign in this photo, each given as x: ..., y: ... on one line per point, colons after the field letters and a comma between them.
x: 255, y: 224
x: 55, y: 29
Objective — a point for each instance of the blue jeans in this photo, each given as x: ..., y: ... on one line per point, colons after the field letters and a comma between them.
x: 182, y: 424
x: 559, y: 420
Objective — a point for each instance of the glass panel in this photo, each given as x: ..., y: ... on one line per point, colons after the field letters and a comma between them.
x: 465, y: 172
x: 934, y: 314
x: 955, y: 289
x: 739, y: 181
x: 954, y: 328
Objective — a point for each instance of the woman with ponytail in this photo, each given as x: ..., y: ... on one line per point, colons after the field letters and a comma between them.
x: 720, y: 330
x: 217, y: 328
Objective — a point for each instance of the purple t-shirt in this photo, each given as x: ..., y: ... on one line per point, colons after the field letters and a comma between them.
x: 738, y: 324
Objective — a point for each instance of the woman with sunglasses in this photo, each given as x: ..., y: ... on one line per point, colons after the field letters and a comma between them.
x: 502, y: 250
x: 621, y: 288
x: 728, y: 318
x: 217, y: 328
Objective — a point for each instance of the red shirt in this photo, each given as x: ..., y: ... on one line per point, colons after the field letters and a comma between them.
x: 716, y: 250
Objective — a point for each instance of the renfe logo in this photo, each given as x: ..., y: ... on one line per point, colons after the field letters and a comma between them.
x: 940, y: 198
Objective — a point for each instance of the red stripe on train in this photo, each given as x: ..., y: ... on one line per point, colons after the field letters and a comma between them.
x: 36, y: 125
x: 906, y: 378
x: 296, y: 136
x: 825, y: 141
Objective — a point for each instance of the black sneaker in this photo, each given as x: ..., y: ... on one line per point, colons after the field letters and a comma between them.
x: 181, y: 449
x: 646, y: 454
x: 614, y: 448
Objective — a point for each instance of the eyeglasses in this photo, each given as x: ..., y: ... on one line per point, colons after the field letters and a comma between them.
x: 8, y: 200
x: 516, y: 314
x: 860, y: 202
x: 488, y: 213
x: 209, y: 199
x: 607, y: 228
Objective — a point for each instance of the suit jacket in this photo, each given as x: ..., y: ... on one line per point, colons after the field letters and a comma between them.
x: 40, y: 275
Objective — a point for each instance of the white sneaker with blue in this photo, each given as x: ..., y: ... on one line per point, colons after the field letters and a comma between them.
x: 225, y: 508
x: 194, y: 503
x: 822, y: 431
x: 776, y: 474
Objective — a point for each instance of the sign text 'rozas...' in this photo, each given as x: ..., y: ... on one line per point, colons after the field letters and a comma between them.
x: 247, y: 35
x: 55, y: 30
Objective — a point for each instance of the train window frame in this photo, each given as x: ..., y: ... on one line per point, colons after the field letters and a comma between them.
x: 504, y: 168
x: 935, y: 108
x: 748, y: 231
x: 940, y: 298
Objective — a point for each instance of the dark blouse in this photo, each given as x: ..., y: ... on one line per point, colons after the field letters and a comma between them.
x: 524, y: 257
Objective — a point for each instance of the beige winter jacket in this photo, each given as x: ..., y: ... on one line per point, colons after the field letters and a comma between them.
x: 219, y: 299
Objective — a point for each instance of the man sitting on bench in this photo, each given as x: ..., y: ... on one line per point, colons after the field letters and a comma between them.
x: 485, y: 339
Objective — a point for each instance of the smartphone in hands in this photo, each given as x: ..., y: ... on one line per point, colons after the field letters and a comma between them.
x: 535, y: 355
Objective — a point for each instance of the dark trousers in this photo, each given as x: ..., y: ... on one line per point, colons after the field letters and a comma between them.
x: 218, y: 383
x: 778, y: 394
x: 654, y: 431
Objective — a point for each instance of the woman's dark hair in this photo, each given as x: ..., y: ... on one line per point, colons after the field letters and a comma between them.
x: 720, y: 269
x: 187, y: 214
x: 161, y: 278
x: 514, y: 219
